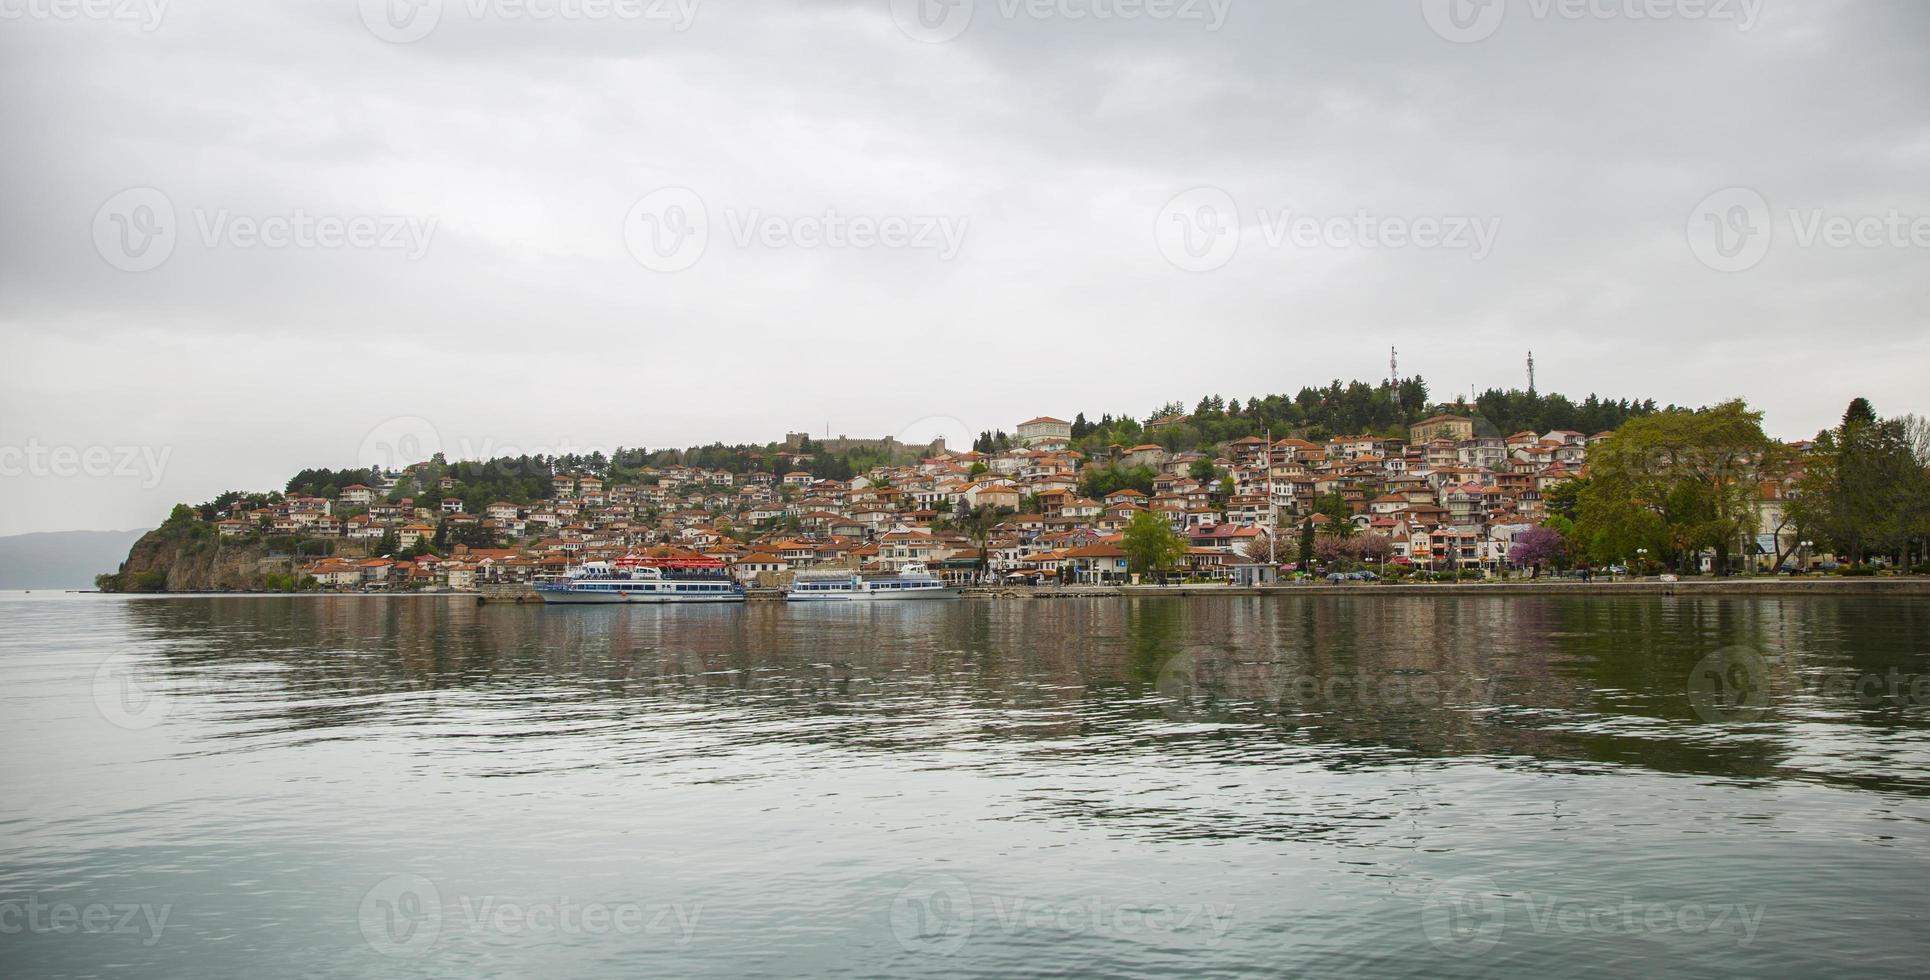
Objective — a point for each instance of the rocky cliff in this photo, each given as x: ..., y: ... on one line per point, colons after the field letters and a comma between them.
x: 170, y: 559
x: 190, y: 557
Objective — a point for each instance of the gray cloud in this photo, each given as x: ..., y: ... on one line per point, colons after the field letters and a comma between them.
x: 528, y: 323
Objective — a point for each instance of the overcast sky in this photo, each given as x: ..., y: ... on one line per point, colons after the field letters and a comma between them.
x: 244, y: 238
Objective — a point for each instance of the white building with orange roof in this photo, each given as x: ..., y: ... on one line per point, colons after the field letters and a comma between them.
x: 1045, y: 432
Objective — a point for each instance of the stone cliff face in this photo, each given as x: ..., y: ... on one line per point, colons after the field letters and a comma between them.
x: 174, y: 558
x: 166, y: 561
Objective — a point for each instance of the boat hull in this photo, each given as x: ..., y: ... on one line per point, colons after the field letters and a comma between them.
x: 562, y: 597
x: 901, y: 595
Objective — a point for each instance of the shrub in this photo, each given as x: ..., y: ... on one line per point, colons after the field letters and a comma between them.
x: 1856, y: 571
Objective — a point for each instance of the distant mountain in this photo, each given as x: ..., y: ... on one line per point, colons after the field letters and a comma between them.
x: 61, y: 559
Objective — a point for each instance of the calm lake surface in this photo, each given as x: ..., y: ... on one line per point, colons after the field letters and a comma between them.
x: 347, y: 787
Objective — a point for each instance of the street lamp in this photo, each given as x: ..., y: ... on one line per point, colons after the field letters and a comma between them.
x: 1642, y: 558
x: 1806, y: 546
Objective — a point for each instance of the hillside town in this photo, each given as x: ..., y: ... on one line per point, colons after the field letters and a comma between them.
x: 1445, y: 500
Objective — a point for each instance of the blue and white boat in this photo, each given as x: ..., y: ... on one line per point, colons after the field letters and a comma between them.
x: 913, y: 581
x: 643, y: 580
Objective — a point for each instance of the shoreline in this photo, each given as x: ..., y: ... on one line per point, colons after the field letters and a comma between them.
x: 1899, y: 586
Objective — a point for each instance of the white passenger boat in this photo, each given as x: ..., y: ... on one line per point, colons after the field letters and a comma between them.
x: 643, y: 580
x: 913, y: 581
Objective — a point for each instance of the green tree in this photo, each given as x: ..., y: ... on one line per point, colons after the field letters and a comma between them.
x: 1677, y: 482
x: 1564, y: 498
x: 1151, y: 545
x: 1864, y: 490
x: 1334, y: 505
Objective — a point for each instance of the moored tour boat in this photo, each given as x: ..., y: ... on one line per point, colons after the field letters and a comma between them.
x: 913, y: 581
x: 643, y: 580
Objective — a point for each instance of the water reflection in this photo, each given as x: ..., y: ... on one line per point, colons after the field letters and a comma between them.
x: 1336, y: 682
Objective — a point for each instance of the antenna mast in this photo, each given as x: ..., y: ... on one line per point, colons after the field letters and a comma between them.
x: 1394, y: 375
x: 1531, y: 372
x: 1273, y: 512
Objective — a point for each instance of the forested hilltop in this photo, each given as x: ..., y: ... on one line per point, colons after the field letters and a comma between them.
x: 1315, y: 414
x: 1355, y: 408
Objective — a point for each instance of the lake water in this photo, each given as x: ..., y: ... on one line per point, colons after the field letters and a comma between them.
x: 346, y: 787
